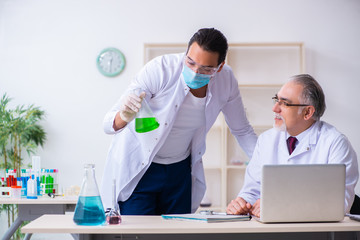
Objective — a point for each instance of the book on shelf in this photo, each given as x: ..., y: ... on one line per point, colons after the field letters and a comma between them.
x: 206, y: 218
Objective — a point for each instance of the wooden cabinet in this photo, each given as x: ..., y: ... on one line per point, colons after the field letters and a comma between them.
x: 261, y: 69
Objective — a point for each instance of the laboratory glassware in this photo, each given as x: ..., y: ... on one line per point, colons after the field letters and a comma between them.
x: 89, y: 209
x: 113, y: 215
x: 16, y: 191
x: 32, y: 188
x: 145, y: 120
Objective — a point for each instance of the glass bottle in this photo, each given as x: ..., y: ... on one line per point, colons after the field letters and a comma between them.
x: 145, y: 120
x: 89, y: 209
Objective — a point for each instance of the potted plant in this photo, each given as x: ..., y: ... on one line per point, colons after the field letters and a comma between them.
x: 20, y: 133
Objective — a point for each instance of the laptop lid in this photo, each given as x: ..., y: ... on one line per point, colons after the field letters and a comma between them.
x: 302, y: 193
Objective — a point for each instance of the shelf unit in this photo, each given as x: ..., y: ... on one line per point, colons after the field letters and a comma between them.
x: 261, y: 69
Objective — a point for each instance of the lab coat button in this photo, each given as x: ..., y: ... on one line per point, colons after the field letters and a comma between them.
x: 307, y: 149
x: 156, y: 139
x: 199, y: 153
x: 176, y: 105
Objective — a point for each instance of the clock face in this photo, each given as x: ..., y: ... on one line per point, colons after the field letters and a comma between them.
x: 110, y: 62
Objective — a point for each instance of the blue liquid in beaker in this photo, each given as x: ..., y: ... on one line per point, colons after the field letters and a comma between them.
x: 89, y: 211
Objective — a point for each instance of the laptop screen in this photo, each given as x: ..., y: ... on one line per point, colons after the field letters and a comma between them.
x: 302, y: 193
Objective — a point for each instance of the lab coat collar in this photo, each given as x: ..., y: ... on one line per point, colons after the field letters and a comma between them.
x: 181, y: 78
x: 307, y: 139
x: 282, y: 144
x: 208, y: 91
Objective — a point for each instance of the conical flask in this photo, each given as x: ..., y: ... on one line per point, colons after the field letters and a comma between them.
x: 145, y: 120
x: 89, y: 209
x: 113, y: 215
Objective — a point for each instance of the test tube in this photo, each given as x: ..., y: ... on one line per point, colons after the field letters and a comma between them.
x: 8, y: 184
x: 43, y: 181
x: 51, y: 190
x: 48, y: 180
x: 27, y: 177
x: 56, y: 182
x: 38, y: 190
x: 19, y: 183
x: 14, y: 178
x: 23, y: 181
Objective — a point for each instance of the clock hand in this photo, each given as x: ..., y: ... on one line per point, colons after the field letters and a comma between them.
x: 110, y: 63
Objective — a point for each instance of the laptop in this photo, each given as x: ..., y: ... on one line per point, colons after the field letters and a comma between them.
x: 302, y: 193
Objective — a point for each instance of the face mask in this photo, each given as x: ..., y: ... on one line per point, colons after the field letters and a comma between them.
x: 194, y: 80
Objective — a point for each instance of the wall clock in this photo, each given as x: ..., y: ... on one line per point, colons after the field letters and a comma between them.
x: 110, y: 62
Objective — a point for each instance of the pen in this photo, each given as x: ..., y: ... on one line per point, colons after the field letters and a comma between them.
x: 209, y: 212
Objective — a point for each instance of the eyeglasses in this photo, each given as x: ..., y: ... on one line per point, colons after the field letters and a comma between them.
x: 200, y: 68
x: 282, y: 102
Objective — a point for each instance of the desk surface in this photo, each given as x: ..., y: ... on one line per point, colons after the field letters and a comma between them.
x: 157, y: 225
x: 40, y: 200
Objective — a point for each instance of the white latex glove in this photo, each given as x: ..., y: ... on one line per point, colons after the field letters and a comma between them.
x: 130, y: 105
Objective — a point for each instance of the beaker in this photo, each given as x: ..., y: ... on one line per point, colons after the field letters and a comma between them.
x: 89, y: 209
x: 113, y: 215
x: 145, y: 120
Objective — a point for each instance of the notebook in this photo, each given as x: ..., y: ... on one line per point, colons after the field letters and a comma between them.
x: 302, y: 193
x: 206, y: 218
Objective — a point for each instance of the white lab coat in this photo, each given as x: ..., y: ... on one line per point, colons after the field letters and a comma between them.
x: 131, y: 153
x: 323, y: 144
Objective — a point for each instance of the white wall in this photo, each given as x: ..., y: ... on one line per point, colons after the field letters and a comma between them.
x: 48, y: 51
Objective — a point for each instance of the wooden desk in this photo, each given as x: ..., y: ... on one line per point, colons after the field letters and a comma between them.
x: 154, y: 227
x: 30, y: 209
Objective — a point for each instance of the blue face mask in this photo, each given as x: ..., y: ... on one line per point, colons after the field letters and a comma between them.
x: 194, y: 80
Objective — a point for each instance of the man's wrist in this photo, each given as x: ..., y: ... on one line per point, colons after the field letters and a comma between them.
x: 119, y: 123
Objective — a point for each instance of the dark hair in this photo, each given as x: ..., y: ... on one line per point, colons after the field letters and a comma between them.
x: 312, y: 93
x: 211, y: 40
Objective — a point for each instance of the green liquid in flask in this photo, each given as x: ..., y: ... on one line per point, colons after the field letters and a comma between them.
x: 146, y: 124
x: 89, y: 211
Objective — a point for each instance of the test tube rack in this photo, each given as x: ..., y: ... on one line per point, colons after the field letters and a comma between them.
x: 47, y: 181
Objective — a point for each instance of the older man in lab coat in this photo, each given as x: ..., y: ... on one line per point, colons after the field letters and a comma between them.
x: 298, y: 107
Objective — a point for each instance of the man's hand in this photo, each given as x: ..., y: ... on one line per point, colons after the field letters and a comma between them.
x: 238, y: 206
x: 131, y: 104
x: 255, y: 210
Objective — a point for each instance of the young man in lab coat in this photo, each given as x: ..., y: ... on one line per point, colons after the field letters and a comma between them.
x: 161, y: 171
x: 298, y: 107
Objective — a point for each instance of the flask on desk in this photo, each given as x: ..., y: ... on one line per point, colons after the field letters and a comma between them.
x: 89, y: 209
x: 113, y: 215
